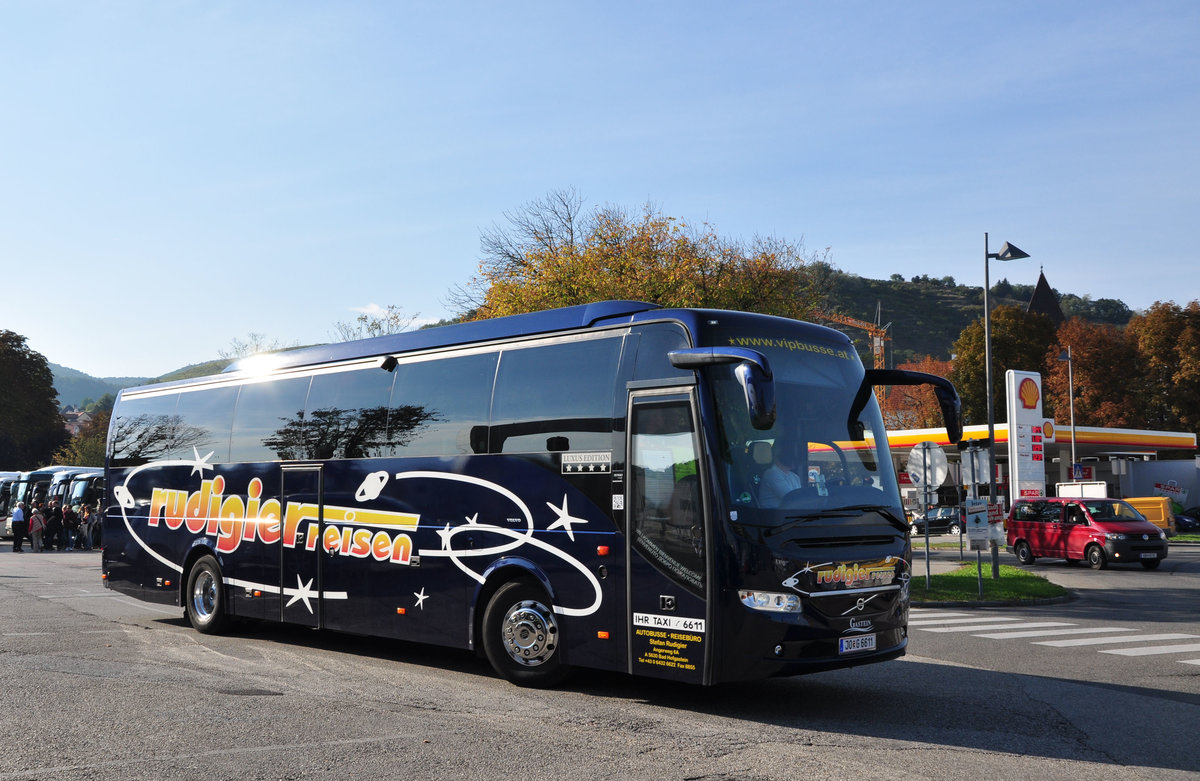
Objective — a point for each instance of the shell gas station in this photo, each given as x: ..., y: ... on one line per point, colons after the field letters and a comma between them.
x: 1034, y: 454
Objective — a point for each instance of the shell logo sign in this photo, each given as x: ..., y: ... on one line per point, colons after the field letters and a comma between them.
x: 1027, y: 434
x: 1028, y: 393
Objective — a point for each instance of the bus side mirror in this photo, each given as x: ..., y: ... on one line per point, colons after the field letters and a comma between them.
x: 759, y: 391
x: 753, y: 373
x: 946, y: 394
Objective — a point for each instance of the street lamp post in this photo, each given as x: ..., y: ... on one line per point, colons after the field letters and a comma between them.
x: 1007, y: 252
x: 1071, y: 395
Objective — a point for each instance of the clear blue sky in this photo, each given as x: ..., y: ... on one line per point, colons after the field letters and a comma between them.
x: 176, y: 175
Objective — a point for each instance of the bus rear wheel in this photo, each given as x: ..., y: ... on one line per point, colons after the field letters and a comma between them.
x: 521, y: 637
x: 205, y: 597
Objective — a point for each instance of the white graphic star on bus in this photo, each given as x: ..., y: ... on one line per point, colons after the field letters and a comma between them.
x: 200, y: 464
x: 565, y: 519
x: 302, y: 592
x: 421, y: 597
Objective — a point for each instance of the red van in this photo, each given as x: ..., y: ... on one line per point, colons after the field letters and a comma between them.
x: 1098, y: 530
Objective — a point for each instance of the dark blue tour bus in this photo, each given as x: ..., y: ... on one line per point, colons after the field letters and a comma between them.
x: 592, y: 487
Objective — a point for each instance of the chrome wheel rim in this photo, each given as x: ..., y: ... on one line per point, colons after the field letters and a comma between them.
x: 204, y: 595
x: 530, y: 633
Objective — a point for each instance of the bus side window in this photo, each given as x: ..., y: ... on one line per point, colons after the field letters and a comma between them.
x: 347, y: 414
x: 268, y: 422
x: 440, y: 407
x: 206, y: 417
x: 144, y: 431
x: 556, y: 397
x: 655, y: 341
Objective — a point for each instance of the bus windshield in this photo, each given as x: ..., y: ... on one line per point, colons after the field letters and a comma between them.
x: 812, y: 461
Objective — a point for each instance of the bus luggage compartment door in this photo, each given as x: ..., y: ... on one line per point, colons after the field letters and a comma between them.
x: 300, y: 552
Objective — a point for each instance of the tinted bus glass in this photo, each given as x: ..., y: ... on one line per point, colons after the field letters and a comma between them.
x: 347, y: 414
x: 665, y: 491
x: 269, y: 421
x: 143, y: 430
x: 555, y: 397
x: 206, y: 417
x: 654, y: 343
x: 437, y: 405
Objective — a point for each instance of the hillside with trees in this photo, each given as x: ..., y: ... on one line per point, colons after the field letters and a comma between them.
x: 927, y: 315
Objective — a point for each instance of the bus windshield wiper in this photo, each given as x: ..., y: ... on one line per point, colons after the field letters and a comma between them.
x: 840, y: 512
x: 881, y: 509
x: 796, y: 520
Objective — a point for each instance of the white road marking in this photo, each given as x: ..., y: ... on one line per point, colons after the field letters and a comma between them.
x: 1052, y: 632
x: 959, y: 621
x: 1154, y: 650
x: 1033, y: 625
x: 1105, y: 640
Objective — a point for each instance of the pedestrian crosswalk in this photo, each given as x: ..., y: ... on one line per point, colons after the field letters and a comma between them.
x: 1125, y: 641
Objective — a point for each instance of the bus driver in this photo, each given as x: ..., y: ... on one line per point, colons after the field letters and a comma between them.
x: 781, y: 478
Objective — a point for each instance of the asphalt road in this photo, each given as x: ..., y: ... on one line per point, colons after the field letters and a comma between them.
x: 100, y: 686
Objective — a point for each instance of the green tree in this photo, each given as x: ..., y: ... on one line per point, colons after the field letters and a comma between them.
x: 553, y: 254
x: 31, y: 428
x: 1020, y: 341
x: 103, y: 404
x: 1167, y: 340
x: 87, y: 447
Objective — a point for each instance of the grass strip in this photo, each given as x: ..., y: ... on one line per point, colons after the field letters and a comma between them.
x: 962, y: 585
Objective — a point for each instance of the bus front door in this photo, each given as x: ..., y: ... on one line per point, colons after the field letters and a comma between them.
x: 669, y: 569
x: 300, y: 551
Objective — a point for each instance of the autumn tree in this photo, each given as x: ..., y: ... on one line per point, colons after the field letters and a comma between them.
x: 1020, y: 341
x: 1167, y: 340
x: 1104, y: 363
x: 31, y: 428
x: 915, y: 406
x: 553, y: 253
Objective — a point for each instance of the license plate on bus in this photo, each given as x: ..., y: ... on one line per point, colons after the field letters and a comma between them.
x: 1149, y: 555
x: 851, y: 645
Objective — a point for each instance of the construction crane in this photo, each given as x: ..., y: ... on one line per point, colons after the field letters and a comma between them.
x: 879, y: 334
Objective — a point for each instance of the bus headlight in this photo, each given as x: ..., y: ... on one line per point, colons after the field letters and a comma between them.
x: 1114, y: 536
x: 770, y: 601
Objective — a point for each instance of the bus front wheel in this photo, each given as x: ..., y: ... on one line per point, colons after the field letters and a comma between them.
x: 205, y: 597
x: 521, y: 636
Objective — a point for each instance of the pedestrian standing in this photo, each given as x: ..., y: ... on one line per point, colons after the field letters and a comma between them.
x: 37, y: 525
x: 70, y: 526
x: 20, y: 527
x: 97, y: 528
x: 54, y: 527
x: 84, y: 539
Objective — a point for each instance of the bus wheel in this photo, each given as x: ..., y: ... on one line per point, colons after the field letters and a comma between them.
x: 205, y: 597
x: 1096, y: 558
x: 521, y: 637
